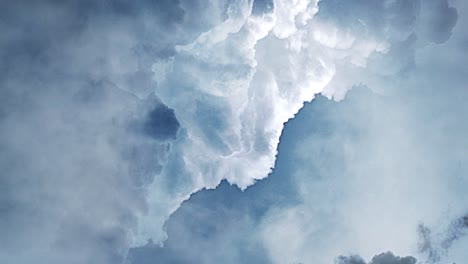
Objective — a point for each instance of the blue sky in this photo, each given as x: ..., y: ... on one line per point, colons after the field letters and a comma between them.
x: 235, y: 131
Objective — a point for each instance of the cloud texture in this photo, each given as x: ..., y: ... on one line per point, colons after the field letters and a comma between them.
x: 80, y: 138
x: 354, y: 177
x: 114, y: 113
x: 233, y: 96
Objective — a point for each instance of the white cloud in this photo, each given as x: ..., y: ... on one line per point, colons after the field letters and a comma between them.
x: 236, y: 84
x: 383, y: 164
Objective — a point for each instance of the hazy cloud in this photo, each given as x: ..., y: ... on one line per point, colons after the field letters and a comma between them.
x: 80, y: 138
x: 437, y: 246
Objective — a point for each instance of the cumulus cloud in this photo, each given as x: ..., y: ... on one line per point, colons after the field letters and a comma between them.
x: 87, y: 144
x: 232, y: 96
x: 356, y: 176
x: 377, y: 40
x: 348, y: 179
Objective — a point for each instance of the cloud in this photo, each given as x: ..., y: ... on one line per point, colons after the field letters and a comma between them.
x: 356, y: 176
x: 80, y: 135
x: 161, y: 123
x: 383, y: 258
x: 215, y: 233
x: 361, y: 172
x: 377, y: 40
x: 231, y: 96
x: 101, y: 162
x: 437, y: 246
x: 341, y: 184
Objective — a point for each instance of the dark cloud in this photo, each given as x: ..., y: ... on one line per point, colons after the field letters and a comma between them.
x: 383, y: 258
x: 457, y: 230
x: 350, y: 260
x: 161, y: 123
x: 438, y: 20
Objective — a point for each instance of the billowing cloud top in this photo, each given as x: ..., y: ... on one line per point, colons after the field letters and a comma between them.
x: 235, y: 85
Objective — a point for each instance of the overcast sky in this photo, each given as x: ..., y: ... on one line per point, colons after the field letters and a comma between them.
x: 233, y: 131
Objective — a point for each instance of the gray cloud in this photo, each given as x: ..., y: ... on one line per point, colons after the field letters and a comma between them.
x: 437, y: 19
x: 161, y: 123
x: 437, y: 246
x: 81, y: 135
x: 394, y: 31
x: 383, y: 258
x: 456, y: 231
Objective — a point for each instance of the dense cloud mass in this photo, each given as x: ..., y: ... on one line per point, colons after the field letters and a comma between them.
x: 112, y: 113
x: 324, y: 200
x: 233, y: 96
x: 80, y: 138
x: 354, y: 177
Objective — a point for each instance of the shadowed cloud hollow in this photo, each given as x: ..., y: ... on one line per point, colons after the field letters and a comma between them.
x: 161, y: 123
